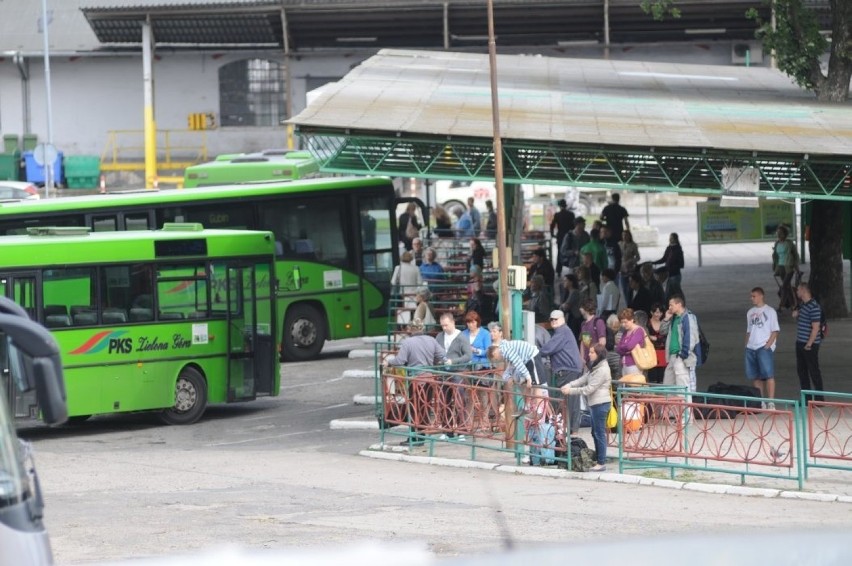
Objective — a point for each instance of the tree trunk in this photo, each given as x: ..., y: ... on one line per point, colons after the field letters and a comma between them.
x: 825, y: 249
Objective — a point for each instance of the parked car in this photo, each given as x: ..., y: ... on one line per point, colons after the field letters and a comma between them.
x: 583, y: 201
x: 18, y: 190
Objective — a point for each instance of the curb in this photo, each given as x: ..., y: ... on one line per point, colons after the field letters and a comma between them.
x: 400, y: 454
x: 353, y: 354
x: 366, y: 400
x: 359, y: 373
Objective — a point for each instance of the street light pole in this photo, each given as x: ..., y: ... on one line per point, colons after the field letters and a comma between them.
x: 505, y: 307
x: 48, y: 166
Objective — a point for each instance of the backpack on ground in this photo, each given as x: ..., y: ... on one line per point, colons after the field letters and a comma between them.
x: 726, y: 389
x: 582, y: 457
x: 542, y: 444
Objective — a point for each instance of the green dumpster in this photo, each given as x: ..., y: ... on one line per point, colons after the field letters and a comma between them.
x: 82, y: 171
x: 30, y: 142
x: 10, y: 166
x: 10, y: 143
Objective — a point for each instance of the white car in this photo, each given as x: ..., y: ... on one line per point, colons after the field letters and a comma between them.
x: 18, y: 190
x: 583, y: 202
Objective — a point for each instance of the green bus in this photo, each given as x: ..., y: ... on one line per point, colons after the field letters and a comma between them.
x: 167, y: 320
x: 339, y: 232
x: 270, y: 165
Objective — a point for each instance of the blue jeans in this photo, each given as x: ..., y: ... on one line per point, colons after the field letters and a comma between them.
x: 599, y: 413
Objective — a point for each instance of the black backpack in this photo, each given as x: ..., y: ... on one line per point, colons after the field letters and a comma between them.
x: 823, y: 324
x: 703, y: 347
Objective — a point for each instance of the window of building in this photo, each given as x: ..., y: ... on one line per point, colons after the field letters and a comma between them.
x: 252, y: 93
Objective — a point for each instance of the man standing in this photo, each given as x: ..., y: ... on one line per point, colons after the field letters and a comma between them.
x: 614, y: 216
x: 596, y: 248
x: 458, y: 354
x: 565, y: 363
x: 418, y: 349
x: 569, y: 251
x: 808, y: 316
x: 680, y: 326
x: 475, y: 217
x: 761, y: 337
x: 540, y: 266
x: 560, y: 226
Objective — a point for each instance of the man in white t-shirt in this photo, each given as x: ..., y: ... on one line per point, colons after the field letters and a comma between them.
x: 761, y: 336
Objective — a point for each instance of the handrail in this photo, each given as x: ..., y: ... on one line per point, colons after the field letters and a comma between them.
x: 176, y: 149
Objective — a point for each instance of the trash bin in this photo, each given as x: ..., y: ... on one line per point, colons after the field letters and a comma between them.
x: 82, y: 171
x: 35, y: 172
x: 10, y: 166
x: 10, y: 143
x: 30, y: 141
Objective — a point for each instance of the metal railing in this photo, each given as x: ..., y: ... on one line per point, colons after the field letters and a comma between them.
x: 827, y: 430
x: 176, y: 149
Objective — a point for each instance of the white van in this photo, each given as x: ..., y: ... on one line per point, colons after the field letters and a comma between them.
x: 583, y: 201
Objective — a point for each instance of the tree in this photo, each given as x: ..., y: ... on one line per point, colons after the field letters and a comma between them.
x: 799, y: 47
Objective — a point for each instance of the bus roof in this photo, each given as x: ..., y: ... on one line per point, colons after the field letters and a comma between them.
x: 124, y: 246
x: 151, y: 197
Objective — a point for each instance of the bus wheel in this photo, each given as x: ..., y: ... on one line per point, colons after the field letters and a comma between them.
x: 304, y: 333
x: 190, y: 398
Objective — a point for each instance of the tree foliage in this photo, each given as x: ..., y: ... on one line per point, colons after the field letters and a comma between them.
x: 799, y: 48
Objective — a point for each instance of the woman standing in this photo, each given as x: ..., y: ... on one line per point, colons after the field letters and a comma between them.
x: 672, y: 259
x: 571, y: 303
x: 443, y: 222
x: 408, y: 225
x: 785, y: 264
x: 632, y: 335
x: 477, y: 255
x: 655, y: 323
x: 596, y: 385
x: 629, y: 261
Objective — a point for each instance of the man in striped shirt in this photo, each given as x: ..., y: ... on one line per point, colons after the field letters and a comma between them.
x: 523, y: 362
x: 808, y: 316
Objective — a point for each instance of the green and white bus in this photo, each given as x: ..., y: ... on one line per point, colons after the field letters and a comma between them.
x: 269, y: 165
x: 167, y: 320
x: 340, y: 232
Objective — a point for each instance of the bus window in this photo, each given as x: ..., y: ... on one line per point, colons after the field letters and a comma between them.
x: 104, y: 223
x: 19, y: 227
x: 137, y: 222
x: 183, y: 289
x: 376, y: 239
x: 233, y: 215
x: 64, y: 288
x: 310, y: 229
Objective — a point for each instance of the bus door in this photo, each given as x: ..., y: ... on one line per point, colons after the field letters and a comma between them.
x: 251, y: 351
x: 21, y: 288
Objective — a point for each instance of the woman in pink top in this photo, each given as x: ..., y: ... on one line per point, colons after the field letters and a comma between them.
x: 631, y: 336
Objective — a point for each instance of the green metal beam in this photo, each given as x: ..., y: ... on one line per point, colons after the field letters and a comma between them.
x: 685, y: 171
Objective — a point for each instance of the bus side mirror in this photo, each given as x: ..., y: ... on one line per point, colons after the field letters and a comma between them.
x: 50, y: 390
x: 297, y: 278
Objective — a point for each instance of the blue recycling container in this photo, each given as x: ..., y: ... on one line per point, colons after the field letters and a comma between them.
x: 35, y: 172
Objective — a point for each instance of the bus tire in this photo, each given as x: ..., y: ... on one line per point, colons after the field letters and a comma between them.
x: 451, y: 204
x: 190, y: 398
x: 304, y: 333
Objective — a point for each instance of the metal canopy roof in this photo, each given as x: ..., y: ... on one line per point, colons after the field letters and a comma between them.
x: 459, y: 24
x: 617, y: 124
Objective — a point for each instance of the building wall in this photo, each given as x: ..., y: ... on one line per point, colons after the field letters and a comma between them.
x: 95, y: 94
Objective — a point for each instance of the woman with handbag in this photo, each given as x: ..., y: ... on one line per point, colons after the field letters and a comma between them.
x: 632, y: 335
x: 596, y: 385
x: 655, y: 323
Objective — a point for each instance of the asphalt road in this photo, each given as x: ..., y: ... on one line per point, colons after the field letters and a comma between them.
x: 271, y: 475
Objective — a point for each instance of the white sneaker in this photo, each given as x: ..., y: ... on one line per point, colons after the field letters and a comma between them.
x: 763, y: 404
x: 770, y: 406
x: 461, y: 438
x: 525, y: 459
x: 442, y: 437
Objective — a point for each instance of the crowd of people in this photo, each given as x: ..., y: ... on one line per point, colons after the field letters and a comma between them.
x: 600, y: 302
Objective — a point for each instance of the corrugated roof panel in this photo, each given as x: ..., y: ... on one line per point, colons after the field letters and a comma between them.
x: 583, y: 101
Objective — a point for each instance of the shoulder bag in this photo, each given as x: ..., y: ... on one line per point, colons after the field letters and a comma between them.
x: 644, y: 355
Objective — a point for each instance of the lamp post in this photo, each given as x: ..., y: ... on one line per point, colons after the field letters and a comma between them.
x: 49, y: 162
x: 505, y: 307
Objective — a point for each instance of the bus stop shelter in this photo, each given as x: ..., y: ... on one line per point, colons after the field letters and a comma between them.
x: 660, y: 127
